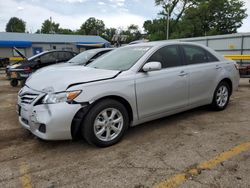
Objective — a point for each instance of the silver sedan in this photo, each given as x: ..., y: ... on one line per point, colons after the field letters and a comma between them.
x: 126, y: 87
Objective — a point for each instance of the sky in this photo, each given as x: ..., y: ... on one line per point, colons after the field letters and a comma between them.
x: 72, y: 13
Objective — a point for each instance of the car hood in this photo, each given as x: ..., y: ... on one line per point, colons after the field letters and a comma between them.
x: 63, y: 64
x: 56, y: 79
x: 22, y: 64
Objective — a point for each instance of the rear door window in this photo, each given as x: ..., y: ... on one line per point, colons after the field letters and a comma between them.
x: 168, y: 56
x: 64, y: 56
x: 197, y: 55
x: 48, y: 58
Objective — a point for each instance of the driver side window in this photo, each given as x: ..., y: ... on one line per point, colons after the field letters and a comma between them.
x: 168, y: 56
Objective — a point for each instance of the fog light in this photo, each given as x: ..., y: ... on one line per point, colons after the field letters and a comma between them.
x: 42, y: 128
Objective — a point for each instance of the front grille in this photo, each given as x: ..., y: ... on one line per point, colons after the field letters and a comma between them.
x: 28, y: 98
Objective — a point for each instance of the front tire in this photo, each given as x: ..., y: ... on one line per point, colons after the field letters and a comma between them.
x: 105, y: 123
x: 221, y: 96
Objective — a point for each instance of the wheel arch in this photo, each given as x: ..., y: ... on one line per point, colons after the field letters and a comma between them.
x: 230, y: 84
x: 79, y: 116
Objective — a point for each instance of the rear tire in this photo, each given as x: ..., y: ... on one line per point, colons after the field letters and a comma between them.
x: 105, y: 123
x: 14, y: 82
x: 221, y: 96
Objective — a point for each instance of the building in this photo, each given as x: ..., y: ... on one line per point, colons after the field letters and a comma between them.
x: 31, y: 44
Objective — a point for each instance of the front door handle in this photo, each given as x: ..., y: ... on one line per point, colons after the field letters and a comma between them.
x: 183, y: 73
x: 218, y: 67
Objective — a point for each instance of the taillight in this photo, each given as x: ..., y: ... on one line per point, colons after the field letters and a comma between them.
x: 27, y: 69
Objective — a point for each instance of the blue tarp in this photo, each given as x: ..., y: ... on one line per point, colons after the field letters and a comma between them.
x: 20, y: 44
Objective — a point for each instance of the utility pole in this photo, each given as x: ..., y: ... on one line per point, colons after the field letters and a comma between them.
x: 51, y: 27
x: 167, y: 2
x: 168, y: 25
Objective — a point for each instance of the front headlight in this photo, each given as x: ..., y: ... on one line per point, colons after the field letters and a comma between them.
x: 68, y: 96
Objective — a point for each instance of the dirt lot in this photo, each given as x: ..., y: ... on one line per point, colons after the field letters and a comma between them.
x: 148, y: 155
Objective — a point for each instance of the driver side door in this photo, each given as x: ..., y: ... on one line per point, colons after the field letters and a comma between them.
x: 165, y: 90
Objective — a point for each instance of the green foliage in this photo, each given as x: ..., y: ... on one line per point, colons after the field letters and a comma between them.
x: 189, y: 18
x: 65, y: 31
x: 49, y: 27
x: 92, y: 26
x: 213, y: 17
x: 155, y: 29
x: 15, y: 25
x: 109, y: 33
x: 132, y: 33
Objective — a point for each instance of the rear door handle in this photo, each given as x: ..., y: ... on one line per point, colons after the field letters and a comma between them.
x: 183, y: 73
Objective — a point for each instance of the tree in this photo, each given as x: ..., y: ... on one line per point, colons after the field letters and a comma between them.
x: 49, y: 27
x: 155, y: 29
x: 189, y: 18
x: 15, y: 25
x: 213, y: 17
x: 133, y: 33
x: 65, y: 31
x: 109, y: 33
x: 92, y: 26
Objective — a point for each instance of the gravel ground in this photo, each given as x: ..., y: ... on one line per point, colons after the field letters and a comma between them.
x: 149, y: 153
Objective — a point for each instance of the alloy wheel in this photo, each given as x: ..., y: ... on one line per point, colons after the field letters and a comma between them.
x: 108, y: 124
x: 222, y: 96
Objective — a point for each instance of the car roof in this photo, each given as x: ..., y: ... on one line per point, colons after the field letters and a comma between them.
x: 164, y: 42
x: 47, y: 51
x: 100, y: 49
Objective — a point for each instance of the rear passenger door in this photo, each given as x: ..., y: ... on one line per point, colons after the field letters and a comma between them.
x: 47, y: 59
x: 164, y: 90
x: 203, y: 69
x: 63, y: 56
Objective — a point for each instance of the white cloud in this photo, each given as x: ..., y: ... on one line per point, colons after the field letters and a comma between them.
x: 20, y: 8
x: 246, y: 23
x: 35, y: 15
x: 71, y: 1
x: 114, y: 13
x: 119, y: 3
x: 123, y: 20
x: 101, y: 3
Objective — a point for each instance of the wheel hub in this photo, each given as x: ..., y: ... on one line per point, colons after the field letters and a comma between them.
x: 108, y: 124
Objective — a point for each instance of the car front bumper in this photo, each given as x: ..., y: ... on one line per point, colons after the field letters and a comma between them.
x: 48, y: 121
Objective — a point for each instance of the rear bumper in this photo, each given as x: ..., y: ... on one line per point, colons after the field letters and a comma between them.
x: 236, y: 81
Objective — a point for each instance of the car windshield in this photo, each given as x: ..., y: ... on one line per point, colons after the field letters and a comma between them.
x: 83, y: 57
x: 120, y: 59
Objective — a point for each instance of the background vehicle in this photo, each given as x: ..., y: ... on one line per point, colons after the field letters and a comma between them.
x: 126, y: 87
x: 85, y: 57
x: 21, y: 70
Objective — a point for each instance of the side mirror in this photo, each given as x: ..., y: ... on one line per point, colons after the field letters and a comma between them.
x: 151, y: 66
